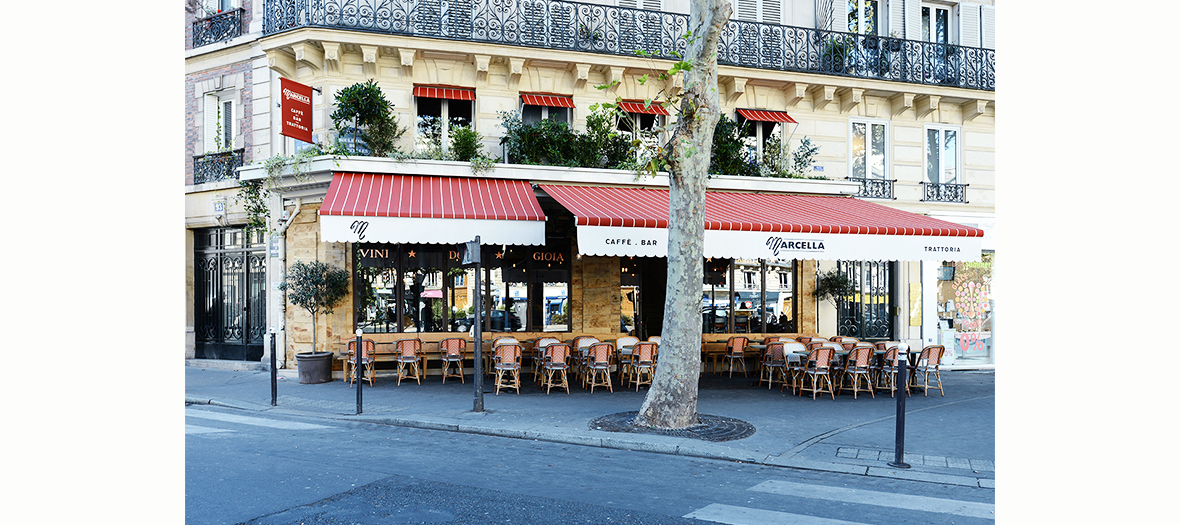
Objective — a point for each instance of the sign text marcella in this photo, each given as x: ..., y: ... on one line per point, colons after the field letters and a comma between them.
x: 775, y: 244
x: 296, y: 102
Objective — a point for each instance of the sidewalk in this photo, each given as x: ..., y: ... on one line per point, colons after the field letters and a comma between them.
x: 948, y: 440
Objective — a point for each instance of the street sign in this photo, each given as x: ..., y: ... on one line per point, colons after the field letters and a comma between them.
x: 296, y: 113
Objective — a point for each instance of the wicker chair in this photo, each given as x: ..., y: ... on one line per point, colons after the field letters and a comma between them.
x: 409, y: 353
x: 856, y: 370
x: 643, y: 363
x: 885, y: 373
x: 818, y: 369
x: 489, y: 357
x: 773, y: 359
x: 507, y: 363
x: 654, y: 339
x: 579, y: 351
x: 452, y: 351
x: 598, y: 365
x: 927, y: 364
x: 735, y: 350
x: 793, y: 351
x: 556, y: 362
x: 624, y: 359
x: 368, y: 348
x: 538, y: 356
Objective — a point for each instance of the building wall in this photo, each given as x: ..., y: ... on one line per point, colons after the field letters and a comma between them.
x: 235, y: 80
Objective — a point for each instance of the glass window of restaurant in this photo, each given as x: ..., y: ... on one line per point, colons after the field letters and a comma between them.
x: 965, y: 309
x: 424, y: 288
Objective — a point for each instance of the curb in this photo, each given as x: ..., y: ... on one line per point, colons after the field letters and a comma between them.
x: 612, y: 442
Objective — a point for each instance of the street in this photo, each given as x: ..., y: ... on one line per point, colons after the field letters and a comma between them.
x: 273, y: 468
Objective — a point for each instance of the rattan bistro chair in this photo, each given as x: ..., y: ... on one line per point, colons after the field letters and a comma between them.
x: 643, y: 363
x: 507, y: 363
x: 927, y: 364
x: 856, y: 370
x: 538, y: 356
x: 452, y: 351
x: 409, y: 354
x: 579, y: 355
x: 556, y: 363
x: 774, y: 359
x: 735, y: 350
x: 368, y: 348
x: 623, y: 356
x: 795, y: 354
x: 818, y: 370
x: 598, y: 365
x: 885, y: 373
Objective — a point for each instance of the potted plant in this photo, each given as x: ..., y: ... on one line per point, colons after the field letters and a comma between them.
x: 315, y: 286
x: 832, y: 286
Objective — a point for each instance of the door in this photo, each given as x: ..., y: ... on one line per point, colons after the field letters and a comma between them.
x: 230, y: 294
x: 867, y: 315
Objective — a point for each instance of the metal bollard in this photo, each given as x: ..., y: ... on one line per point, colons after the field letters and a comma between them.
x: 900, y: 381
x: 360, y: 372
x: 274, y: 373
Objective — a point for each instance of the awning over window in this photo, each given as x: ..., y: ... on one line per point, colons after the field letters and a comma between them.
x: 365, y: 207
x: 548, y: 100
x: 441, y: 92
x: 762, y: 115
x: 633, y: 222
x: 638, y: 107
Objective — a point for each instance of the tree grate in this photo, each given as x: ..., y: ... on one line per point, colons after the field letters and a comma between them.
x: 715, y: 429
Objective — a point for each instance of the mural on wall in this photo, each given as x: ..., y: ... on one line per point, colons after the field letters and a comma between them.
x: 972, y: 305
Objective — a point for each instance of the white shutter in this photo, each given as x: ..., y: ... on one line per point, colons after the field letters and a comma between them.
x: 968, y: 17
x: 913, y: 19
x: 210, y: 142
x: 896, y: 18
x: 840, y: 16
x: 772, y: 11
x: 987, y: 29
x: 628, y: 3
x: 228, y: 123
x: 653, y: 5
x: 747, y: 10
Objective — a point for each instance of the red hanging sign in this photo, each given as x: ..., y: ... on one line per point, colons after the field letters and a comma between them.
x: 296, y: 101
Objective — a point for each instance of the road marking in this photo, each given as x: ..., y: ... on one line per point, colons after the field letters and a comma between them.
x: 194, y: 429
x: 880, y: 499
x: 257, y: 421
x: 733, y: 515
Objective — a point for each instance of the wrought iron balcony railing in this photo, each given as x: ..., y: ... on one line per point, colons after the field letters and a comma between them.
x: 557, y: 24
x: 944, y: 192
x: 218, y: 28
x: 874, y: 188
x: 213, y: 167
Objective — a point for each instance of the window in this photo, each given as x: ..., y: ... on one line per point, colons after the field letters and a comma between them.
x: 220, y: 125
x: 749, y: 277
x: 942, y: 155
x: 758, y: 135
x: 784, y: 280
x: 867, y: 149
x: 863, y: 17
x: 766, y: 11
x: 936, y: 24
x: 433, y: 113
x: 538, y: 107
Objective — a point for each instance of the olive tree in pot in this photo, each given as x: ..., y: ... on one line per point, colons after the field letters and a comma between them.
x: 316, y: 287
x: 831, y: 286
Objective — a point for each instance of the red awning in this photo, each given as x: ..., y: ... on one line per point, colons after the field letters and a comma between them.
x: 633, y: 221
x: 366, y: 207
x: 638, y: 107
x: 548, y: 100
x: 441, y: 92
x: 762, y: 115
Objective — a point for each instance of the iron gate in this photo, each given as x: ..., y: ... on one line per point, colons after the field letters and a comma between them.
x: 230, y: 294
x: 866, y: 315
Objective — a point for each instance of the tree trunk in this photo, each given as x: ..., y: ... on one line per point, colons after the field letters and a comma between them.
x: 671, y: 401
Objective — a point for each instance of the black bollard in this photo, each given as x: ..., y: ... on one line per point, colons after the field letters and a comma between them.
x: 900, y: 383
x: 274, y: 373
x: 360, y: 372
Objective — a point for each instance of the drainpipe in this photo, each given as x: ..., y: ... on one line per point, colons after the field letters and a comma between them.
x: 282, y: 233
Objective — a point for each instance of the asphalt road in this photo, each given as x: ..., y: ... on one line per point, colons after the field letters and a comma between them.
x: 246, y: 467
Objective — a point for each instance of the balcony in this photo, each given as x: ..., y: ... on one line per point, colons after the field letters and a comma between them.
x: 592, y: 28
x: 218, y: 28
x: 214, y: 167
x: 932, y: 192
x: 874, y: 188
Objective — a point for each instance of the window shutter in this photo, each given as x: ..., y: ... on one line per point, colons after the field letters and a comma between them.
x: 840, y: 15
x: 211, y: 140
x: 913, y: 19
x: 747, y: 10
x: 772, y: 11
x: 653, y: 5
x: 968, y: 17
x: 987, y: 30
x: 227, y: 123
x: 633, y: 4
x: 897, y: 18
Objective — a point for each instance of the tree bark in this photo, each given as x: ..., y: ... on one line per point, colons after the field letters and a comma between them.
x: 671, y: 402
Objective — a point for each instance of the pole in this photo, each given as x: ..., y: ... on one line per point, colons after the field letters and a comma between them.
x: 358, y: 371
x: 274, y: 373
x: 900, y: 383
x: 477, y: 335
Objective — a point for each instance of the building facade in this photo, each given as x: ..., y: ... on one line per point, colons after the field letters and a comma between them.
x: 898, y: 97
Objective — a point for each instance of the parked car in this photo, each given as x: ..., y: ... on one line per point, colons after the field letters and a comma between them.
x: 464, y: 325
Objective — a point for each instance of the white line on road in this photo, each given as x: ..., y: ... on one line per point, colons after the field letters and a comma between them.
x: 194, y: 429
x: 733, y: 515
x: 257, y: 421
x: 880, y: 499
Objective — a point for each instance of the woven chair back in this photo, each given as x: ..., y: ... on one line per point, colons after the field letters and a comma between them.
x: 822, y: 357
x: 860, y: 357
x: 408, y: 347
x: 544, y: 342
x: 817, y: 343
x: 931, y: 355
x: 654, y: 339
x: 600, y: 353
x: 368, y: 347
x: 507, y: 354
x: 504, y: 340
x: 737, y: 344
x: 584, y: 341
x: 626, y: 341
x: 772, y: 339
x: 452, y: 347
x: 776, y: 352
x: 794, y: 347
x: 558, y: 353
x: 645, y: 352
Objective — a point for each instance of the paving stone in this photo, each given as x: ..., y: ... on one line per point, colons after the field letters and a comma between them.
x: 934, y: 461
x: 844, y: 452
x: 982, y: 465
x: 958, y: 463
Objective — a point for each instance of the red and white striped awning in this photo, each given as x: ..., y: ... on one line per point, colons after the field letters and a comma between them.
x: 633, y: 222
x: 442, y: 92
x: 366, y: 207
x: 548, y: 100
x: 762, y: 115
x: 638, y: 107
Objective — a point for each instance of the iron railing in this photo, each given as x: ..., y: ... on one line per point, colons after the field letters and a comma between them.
x: 944, y: 192
x: 874, y: 188
x: 213, y: 167
x: 557, y: 24
x: 218, y: 28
